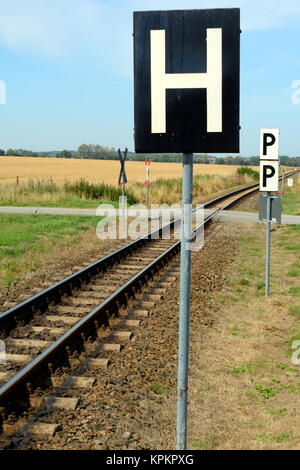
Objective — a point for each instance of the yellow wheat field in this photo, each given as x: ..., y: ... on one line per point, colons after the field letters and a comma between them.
x: 105, y: 171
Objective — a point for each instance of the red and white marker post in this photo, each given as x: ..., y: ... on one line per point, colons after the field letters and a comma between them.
x: 147, y: 180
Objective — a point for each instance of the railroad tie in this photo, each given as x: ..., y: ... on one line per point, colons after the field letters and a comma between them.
x: 6, y: 376
x: 97, y: 363
x: 146, y: 304
x: 102, y: 288
x: 123, y: 335
x: 132, y: 323
x: 54, y: 402
x: 41, y: 430
x: 152, y: 297
x: 71, y: 309
x: 28, y: 343
x: 89, y: 294
x: 130, y: 266
x: 48, y: 331
x: 159, y: 291
x: 140, y: 313
x: 170, y: 279
x: 164, y: 285
x: 17, y: 358
x: 83, y: 301
x: 63, y: 319
x: 112, y: 347
x: 8, y: 305
x: 73, y: 381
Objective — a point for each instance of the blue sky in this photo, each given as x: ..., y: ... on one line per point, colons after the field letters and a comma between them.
x: 67, y: 67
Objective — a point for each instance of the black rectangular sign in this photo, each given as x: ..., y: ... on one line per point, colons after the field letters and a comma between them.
x: 186, y: 80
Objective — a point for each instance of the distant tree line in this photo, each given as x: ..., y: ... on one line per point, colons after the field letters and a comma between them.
x: 97, y: 152
x: 100, y: 152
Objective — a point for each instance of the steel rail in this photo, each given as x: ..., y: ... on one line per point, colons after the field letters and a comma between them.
x: 17, y: 389
x: 25, y: 310
x: 87, y: 325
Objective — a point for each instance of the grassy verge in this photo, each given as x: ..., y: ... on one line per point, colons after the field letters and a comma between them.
x: 48, y: 193
x: 168, y: 191
x: 245, y: 391
x: 291, y: 198
x: 82, y: 194
x: 29, y: 241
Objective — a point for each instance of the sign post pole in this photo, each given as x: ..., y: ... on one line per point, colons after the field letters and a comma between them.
x: 176, y: 51
x: 268, y: 245
x: 184, y: 308
x: 269, y: 181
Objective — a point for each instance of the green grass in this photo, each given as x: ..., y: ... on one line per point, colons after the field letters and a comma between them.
x: 283, y: 365
x: 293, y: 273
x: 260, y: 285
x: 277, y: 412
x: 245, y: 170
x: 23, y: 238
x: 238, y: 333
x: 266, y: 392
x: 293, y: 248
x: 81, y: 193
x: 65, y: 202
x: 237, y: 371
x: 157, y: 388
x: 291, y: 198
x: 267, y: 387
x: 209, y: 442
x: 294, y: 310
x: 264, y: 437
x: 47, y: 193
x: 295, y: 290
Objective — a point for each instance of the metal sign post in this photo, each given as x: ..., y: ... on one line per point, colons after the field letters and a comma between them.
x: 184, y: 306
x: 186, y: 100
x: 122, y: 177
x: 269, y: 181
x: 268, y: 246
x: 270, y: 208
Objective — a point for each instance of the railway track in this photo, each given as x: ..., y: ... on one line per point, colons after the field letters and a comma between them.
x: 58, y: 339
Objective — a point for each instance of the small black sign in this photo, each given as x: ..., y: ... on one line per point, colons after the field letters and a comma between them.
x: 187, y: 73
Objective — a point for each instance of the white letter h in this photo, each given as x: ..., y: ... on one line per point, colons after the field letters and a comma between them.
x: 161, y: 81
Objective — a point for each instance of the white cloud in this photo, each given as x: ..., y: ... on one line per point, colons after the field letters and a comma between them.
x: 44, y: 27
x: 100, y: 30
